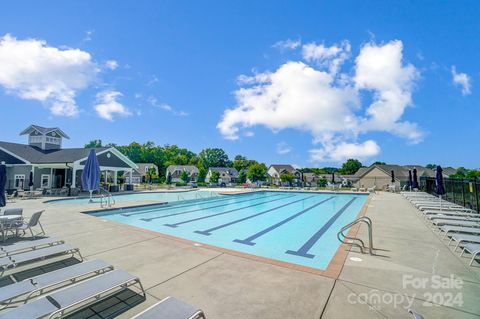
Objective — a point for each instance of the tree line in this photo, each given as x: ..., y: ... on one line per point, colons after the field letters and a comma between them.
x: 166, y: 155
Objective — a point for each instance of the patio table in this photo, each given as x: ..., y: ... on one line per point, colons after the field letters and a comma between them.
x: 6, y: 222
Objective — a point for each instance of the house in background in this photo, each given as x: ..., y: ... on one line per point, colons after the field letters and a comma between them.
x: 276, y: 170
x: 176, y: 171
x: 227, y: 175
x: 381, y: 175
x: 53, y: 166
x: 139, y: 175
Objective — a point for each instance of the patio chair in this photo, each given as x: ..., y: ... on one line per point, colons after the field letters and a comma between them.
x: 171, y: 308
x: 11, y: 198
x: 13, y: 211
x: 34, y: 221
x: 60, y: 303
x: 29, y: 257
x: 32, y: 287
x: 27, y: 245
x: 462, y: 239
x: 459, y: 229
x: 473, y: 249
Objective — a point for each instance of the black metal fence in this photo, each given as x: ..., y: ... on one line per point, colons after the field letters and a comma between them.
x: 459, y: 191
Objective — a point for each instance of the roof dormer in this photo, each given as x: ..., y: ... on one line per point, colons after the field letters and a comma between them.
x: 44, y: 138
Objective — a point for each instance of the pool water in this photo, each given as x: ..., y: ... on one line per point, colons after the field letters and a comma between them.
x: 294, y: 227
x: 145, y: 196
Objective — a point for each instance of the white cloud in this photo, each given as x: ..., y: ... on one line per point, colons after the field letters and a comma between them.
x: 164, y: 106
x: 343, y: 151
x: 462, y: 80
x: 380, y: 68
x: 111, y: 64
x: 107, y: 105
x: 330, y: 57
x: 32, y: 70
x: 314, y: 98
x: 283, y: 148
x: 287, y: 44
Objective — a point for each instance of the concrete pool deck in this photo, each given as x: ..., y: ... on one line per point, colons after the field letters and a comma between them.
x: 228, y: 286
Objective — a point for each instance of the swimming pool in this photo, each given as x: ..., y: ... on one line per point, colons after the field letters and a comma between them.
x: 292, y: 227
x: 145, y: 196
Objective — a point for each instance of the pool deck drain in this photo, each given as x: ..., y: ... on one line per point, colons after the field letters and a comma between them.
x: 228, y: 286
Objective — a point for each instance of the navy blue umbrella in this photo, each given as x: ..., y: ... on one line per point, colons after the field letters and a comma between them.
x: 30, y: 182
x: 3, y: 181
x: 91, y: 174
x: 415, y: 180
x: 439, y: 181
x: 333, y: 178
x: 392, y: 173
x: 410, y: 179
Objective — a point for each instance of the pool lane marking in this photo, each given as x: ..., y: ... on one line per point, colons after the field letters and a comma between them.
x: 303, y: 251
x: 209, y: 231
x: 249, y: 240
x: 173, y: 205
x: 200, y: 209
x: 227, y: 212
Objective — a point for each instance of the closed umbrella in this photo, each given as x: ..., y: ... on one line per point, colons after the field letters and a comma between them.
x: 333, y: 178
x: 392, y: 173
x: 410, y: 179
x: 415, y: 180
x: 30, y: 182
x: 3, y: 181
x: 439, y: 182
x: 91, y: 174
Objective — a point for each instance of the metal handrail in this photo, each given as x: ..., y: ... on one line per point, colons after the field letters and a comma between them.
x: 354, y: 241
x: 106, y: 199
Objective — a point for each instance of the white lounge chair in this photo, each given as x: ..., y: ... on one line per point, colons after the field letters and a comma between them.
x: 14, y: 261
x: 171, y: 308
x: 60, y: 303
x: 26, y: 245
x: 28, y: 288
x: 473, y: 249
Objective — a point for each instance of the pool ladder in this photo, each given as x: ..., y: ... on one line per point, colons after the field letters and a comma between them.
x: 355, y: 241
x: 106, y: 199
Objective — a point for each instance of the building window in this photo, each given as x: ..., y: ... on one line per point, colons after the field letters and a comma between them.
x: 53, y: 140
x: 19, y: 181
x: 35, y: 139
x: 45, y: 181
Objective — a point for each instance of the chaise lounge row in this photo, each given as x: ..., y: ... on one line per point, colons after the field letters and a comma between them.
x: 460, y: 224
x: 58, y: 293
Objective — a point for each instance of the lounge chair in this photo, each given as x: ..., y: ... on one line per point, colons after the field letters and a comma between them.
x: 34, y: 221
x: 461, y: 239
x: 60, y: 303
x: 11, y: 198
x: 27, y: 245
x: 455, y: 222
x: 13, y: 211
x: 171, y: 308
x: 13, y: 261
x: 459, y: 229
x: 28, y: 288
x: 473, y: 249
x: 371, y: 190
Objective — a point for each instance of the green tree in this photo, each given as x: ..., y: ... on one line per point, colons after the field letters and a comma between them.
x: 214, y: 157
x: 185, y: 177
x: 287, y: 178
x: 214, y: 177
x: 322, y: 182
x: 330, y: 170
x: 257, y: 172
x: 202, y: 173
x: 379, y: 163
x: 431, y: 166
x: 94, y: 144
x: 151, y: 174
x: 242, y: 176
x: 350, y: 167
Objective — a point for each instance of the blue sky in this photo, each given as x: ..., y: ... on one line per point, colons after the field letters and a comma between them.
x: 303, y: 81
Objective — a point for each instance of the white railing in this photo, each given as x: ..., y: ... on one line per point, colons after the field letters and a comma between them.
x: 106, y: 198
